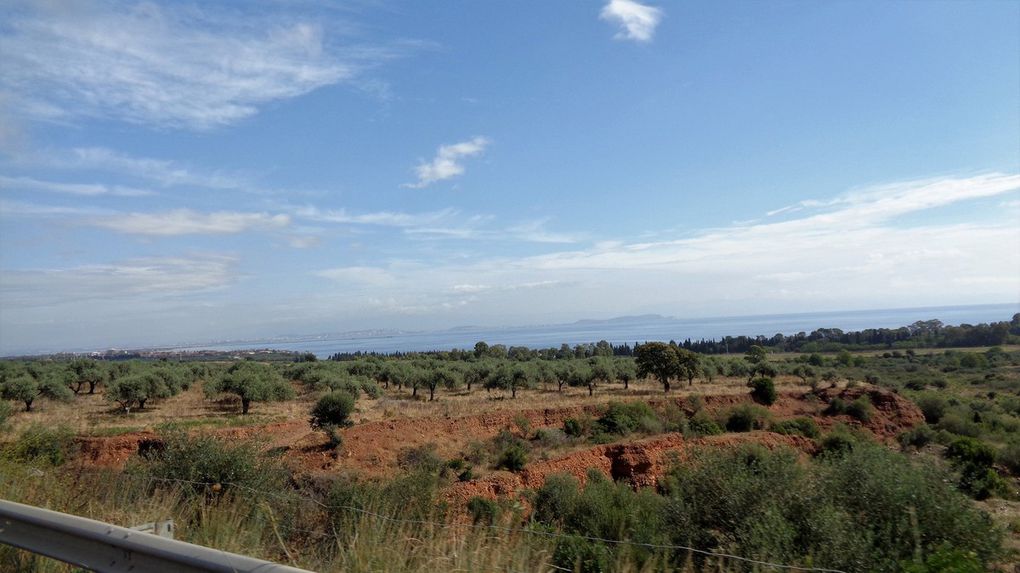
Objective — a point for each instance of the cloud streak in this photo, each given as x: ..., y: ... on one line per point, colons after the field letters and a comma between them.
x: 82, y: 189
x: 448, y: 162
x: 188, y: 222
x: 170, y: 65
x: 637, y: 21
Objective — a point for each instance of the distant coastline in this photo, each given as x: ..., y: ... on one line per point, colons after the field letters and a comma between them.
x: 617, y: 330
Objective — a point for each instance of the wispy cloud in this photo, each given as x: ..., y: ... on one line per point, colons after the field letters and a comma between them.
x: 84, y: 189
x: 188, y: 222
x: 166, y: 65
x: 637, y: 21
x: 162, y: 172
x: 380, y: 218
x: 536, y: 232
x: 155, y: 277
x: 848, y: 252
x: 448, y: 162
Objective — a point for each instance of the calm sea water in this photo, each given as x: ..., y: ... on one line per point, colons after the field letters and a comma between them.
x: 640, y: 330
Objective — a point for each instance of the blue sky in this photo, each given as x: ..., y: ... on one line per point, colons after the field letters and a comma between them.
x: 179, y: 172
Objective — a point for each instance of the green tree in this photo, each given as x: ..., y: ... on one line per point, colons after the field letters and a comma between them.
x: 445, y: 377
x: 626, y: 371
x: 332, y: 412
x: 658, y: 360
x: 26, y: 389
x: 689, y: 364
x: 252, y: 382
x: 84, y: 372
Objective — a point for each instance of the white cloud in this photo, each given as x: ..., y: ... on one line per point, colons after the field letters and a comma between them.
x: 166, y: 65
x: 84, y: 189
x: 143, y: 277
x: 854, y: 253
x: 448, y: 162
x: 188, y: 222
x: 380, y: 218
x: 161, y: 171
x: 637, y: 21
x: 535, y: 232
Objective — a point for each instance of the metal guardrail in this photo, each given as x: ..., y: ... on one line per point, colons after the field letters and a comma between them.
x: 109, y: 548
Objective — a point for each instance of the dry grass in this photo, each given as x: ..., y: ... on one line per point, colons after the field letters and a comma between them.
x: 93, y: 415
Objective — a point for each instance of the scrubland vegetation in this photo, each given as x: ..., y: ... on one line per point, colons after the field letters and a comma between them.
x: 588, y: 458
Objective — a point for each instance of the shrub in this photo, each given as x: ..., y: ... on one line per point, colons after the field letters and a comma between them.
x: 1010, y: 457
x: 513, y: 458
x: 836, y: 407
x: 763, y: 391
x: 332, y: 412
x: 202, y: 461
x: 745, y: 417
x: 673, y: 418
x: 797, y: 427
x: 838, y: 443
x: 573, y: 428
x: 483, y: 510
x: 917, y: 438
x: 971, y: 451
x: 42, y: 444
x: 623, y: 418
x: 860, y: 409
x: 933, y: 407
x: 701, y: 424
x: 955, y: 424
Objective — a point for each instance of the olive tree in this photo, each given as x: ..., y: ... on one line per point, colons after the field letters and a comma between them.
x: 26, y: 388
x: 252, y: 382
x: 332, y: 412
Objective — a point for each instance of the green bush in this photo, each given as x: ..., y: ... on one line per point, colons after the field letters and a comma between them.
x: 763, y: 391
x: 701, y: 424
x: 483, y: 510
x: 837, y: 443
x: 745, y: 417
x: 836, y: 407
x: 42, y: 444
x: 797, y: 427
x: 917, y: 438
x: 331, y: 412
x: 860, y: 409
x: 955, y: 424
x: 574, y: 428
x: 623, y: 418
x: 970, y: 451
x: 513, y: 458
x: 933, y: 407
x: 200, y: 461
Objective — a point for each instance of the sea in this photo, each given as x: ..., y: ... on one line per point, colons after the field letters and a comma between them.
x: 635, y: 329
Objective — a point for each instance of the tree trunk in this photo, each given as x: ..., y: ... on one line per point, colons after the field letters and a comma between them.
x: 690, y: 381
x: 28, y: 405
x: 591, y: 389
x: 245, y: 404
x: 559, y: 386
x: 92, y: 387
x: 665, y: 385
x: 141, y: 403
x: 432, y: 393
x: 626, y: 384
x: 513, y: 391
x: 414, y: 392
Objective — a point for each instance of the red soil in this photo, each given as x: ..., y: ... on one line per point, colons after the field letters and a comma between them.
x: 372, y: 448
